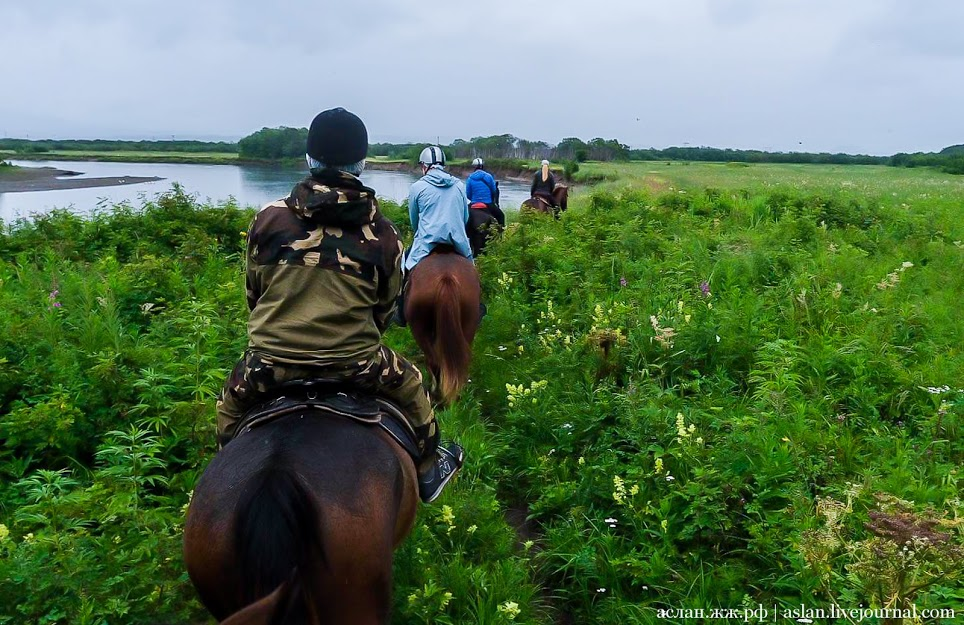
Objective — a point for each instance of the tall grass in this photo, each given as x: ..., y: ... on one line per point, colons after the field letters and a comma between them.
x: 719, y: 395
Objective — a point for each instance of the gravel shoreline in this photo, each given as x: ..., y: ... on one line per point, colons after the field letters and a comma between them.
x: 21, y: 179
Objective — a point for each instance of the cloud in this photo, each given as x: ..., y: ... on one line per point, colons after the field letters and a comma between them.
x: 733, y: 73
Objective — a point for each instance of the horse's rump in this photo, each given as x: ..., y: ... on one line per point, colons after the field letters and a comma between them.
x: 442, y: 309
x: 480, y: 228
x: 308, y: 500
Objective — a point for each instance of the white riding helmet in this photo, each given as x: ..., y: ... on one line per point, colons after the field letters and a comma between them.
x: 432, y: 155
x: 477, y: 162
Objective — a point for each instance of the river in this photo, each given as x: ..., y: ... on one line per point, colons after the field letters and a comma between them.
x: 249, y: 185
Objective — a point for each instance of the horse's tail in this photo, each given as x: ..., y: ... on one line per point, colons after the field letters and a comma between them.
x: 279, y: 549
x: 453, y: 351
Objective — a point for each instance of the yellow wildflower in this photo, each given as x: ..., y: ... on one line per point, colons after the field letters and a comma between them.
x: 510, y: 609
x: 447, y: 515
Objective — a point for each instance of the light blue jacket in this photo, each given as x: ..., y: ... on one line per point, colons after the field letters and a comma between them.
x: 439, y: 211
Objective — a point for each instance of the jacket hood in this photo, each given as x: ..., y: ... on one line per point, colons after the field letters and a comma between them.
x: 478, y: 174
x: 333, y: 197
x: 439, y: 178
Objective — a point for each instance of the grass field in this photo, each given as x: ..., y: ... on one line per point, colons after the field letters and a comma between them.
x: 867, y: 180
x: 705, y: 386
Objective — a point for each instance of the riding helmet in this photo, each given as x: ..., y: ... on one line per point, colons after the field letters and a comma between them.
x: 337, y: 137
x: 432, y: 155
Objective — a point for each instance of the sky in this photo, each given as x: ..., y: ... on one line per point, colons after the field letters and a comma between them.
x: 857, y: 76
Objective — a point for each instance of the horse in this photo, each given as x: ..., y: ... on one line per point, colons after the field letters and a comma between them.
x: 297, y: 522
x: 442, y: 309
x: 481, y: 226
x: 539, y: 204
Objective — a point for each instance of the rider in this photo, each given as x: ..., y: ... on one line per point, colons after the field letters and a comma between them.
x: 480, y: 187
x: 323, y: 273
x: 439, y: 211
x: 543, y: 183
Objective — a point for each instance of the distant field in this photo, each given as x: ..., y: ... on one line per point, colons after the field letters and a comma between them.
x: 873, y: 179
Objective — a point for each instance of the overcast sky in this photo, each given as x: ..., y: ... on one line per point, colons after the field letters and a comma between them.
x: 868, y: 76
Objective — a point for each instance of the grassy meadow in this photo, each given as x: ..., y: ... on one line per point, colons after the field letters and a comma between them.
x: 705, y: 386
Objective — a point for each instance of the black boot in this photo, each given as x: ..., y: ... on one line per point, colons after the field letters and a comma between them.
x: 400, y: 303
x: 399, y: 318
x: 449, y: 458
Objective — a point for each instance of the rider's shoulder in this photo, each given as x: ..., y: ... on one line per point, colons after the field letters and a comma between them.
x: 277, y: 204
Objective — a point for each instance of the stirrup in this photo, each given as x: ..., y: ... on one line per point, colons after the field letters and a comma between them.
x: 448, y: 460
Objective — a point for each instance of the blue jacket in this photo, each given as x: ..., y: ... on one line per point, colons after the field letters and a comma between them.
x: 480, y: 187
x: 439, y: 211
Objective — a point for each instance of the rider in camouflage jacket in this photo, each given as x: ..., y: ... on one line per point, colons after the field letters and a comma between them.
x: 323, y: 274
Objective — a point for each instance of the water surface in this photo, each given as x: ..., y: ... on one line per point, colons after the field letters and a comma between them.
x: 249, y: 185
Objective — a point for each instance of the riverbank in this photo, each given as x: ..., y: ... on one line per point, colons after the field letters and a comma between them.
x: 21, y: 179
x: 187, y: 158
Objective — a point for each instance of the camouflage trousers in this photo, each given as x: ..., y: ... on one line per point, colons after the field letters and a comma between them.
x: 385, y: 374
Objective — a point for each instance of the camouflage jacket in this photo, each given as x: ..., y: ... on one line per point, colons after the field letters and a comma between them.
x: 323, y: 272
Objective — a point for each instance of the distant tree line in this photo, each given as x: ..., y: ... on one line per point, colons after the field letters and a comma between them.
x: 274, y: 144
x: 28, y: 146
x: 949, y: 160
x: 284, y: 143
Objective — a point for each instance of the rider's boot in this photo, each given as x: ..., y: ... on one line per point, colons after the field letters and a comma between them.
x: 439, y: 470
x: 439, y: 463
x: 399, y: 318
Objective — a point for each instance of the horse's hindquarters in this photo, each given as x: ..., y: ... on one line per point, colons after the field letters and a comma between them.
x: 442, y: 309
x: 320, y: 493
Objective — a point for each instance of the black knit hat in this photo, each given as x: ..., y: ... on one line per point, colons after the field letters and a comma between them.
x: 337, y: 137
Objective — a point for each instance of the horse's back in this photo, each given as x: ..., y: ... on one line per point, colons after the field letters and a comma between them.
x: 333, y: 455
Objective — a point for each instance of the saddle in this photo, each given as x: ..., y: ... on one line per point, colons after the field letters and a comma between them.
x: 338, y: 399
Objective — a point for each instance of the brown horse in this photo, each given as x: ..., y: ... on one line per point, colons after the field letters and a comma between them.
x: 297, y: 522
x: 442, y: 309
x: 539, y: 204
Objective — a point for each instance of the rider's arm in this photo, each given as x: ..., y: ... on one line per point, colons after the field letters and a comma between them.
x: 465, y: 204
x: 389, y: 285
x: 532, y: 191
x: 252, y: 286
x: 413, y: 208
x: 490, y: 182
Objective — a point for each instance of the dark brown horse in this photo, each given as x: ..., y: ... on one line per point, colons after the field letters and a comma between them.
x: 297, y: 522
x: 442, y: 309
x: 480, y: 228
x: 539, y: 204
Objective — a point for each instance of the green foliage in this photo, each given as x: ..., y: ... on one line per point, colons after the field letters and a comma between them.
x: 708, y: 395
x: 569, y: 168
x: 274, y: 144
